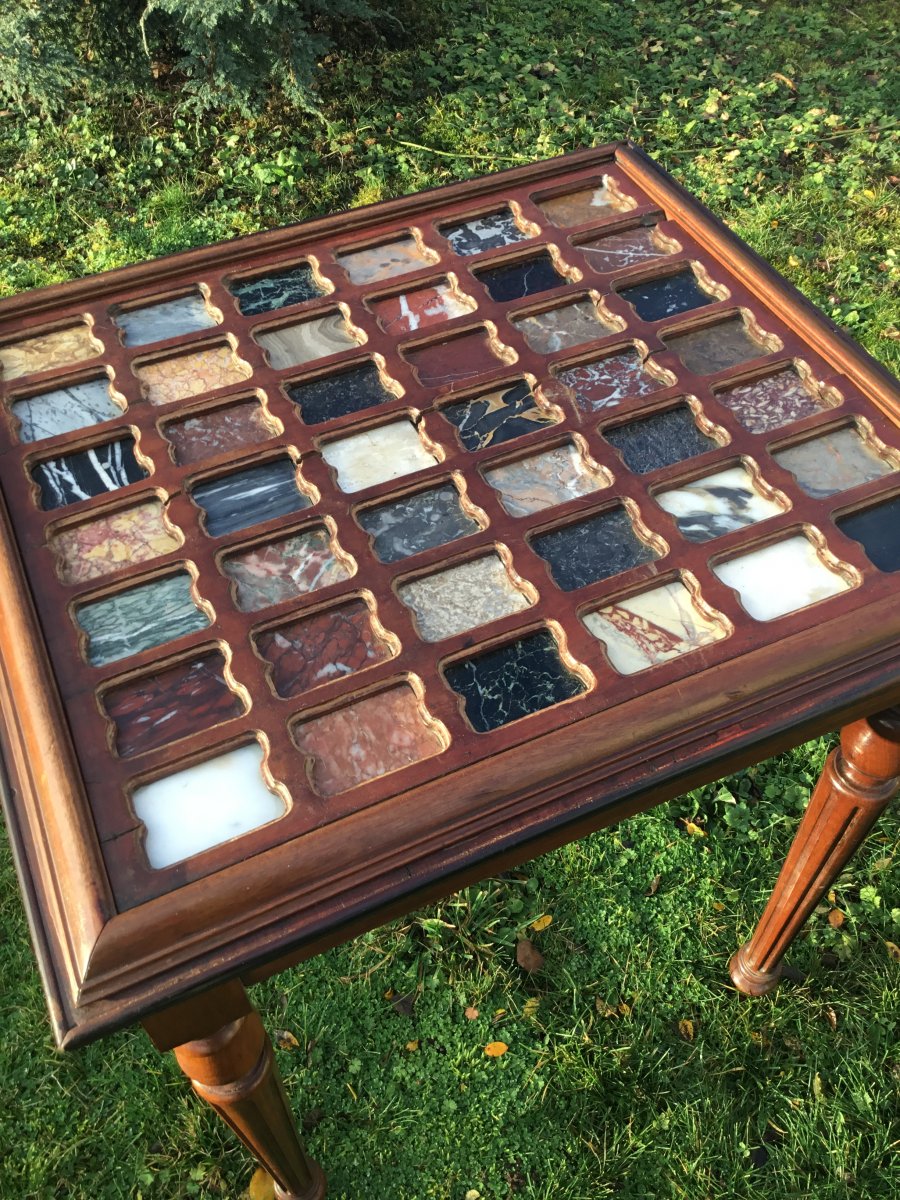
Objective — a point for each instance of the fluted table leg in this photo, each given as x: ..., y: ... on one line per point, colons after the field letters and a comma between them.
x: 859, y: 780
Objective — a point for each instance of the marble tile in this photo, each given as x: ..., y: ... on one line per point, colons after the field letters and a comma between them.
x: 327, y: 645
x: 85, y: 473
x: 463, y: 597
x: 454, y: 359
x: 717, y: 504
x: 488, y: 232
x: 372, y: 737
x: 293, y: 345
x: 833, y: 462
x: 772, y: 402
x: 780, y: 578
x: 150, y: 614
x: 499, y: 416
x: 596, y: 548
x: 616, y: 251
x: 583, y: 205
x: 544, y: 480
x: 339, y: 393
x: 655, y: 299
x: 415, y: 523
x: 64, y: 409
x: 46, y: 351
x: 249, y: 497
x: 513, y: 681
x: 219, y: 431
x: 716, y: 347
x: 652, y: 628
x: 166, y: 319
x: 877, y: 529
x: 374, y: 456
x: 205, y: 805
x: 106, y: 543
x: 660, y: 440
x: 384, y: 261
x: 605, y: 382
x: 284, y: 568
x: 560, y: 328
x: 186, y: 375
x: 170, y: 703
x: 278, y: 289
x: 421, y: 308
x: 527, y: 277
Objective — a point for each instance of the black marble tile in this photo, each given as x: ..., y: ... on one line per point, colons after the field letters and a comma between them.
x: 249, y: 497
x: 276, y: 290
x: 86, y: 473
x: 524, y: 278
x: 488, y: 232
x: 497, y: 417
x: 657, y: 298
x: 336, y: 395
x: 513, y: 681
x: 877, y: 529
x: 657, y: 441
x: 594, y: 549
x: 416, y: 523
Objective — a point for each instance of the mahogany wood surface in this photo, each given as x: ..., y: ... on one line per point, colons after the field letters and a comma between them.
x: 119, y: 940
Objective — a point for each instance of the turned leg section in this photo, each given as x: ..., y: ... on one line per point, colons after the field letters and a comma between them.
x: 859, y: 780
x: 233, y: 1068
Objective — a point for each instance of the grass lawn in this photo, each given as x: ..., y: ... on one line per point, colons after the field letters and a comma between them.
x: 633, y: 1070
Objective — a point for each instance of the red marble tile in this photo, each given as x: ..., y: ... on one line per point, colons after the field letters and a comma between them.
x: 374, y: 736
x: 420, y: 308
x: 170, y: 704
x: 454, y: 359
x: 324, y: 646
x: 207, y: 434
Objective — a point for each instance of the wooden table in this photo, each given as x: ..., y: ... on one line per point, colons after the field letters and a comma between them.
x: 345, y: 564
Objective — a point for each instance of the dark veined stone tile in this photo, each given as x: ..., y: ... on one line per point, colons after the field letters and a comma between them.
x: 877, y: 529
x: 278, y: 289
x: 489, y: 232
x: 339, y: 394
x: 527, y: 277
x: 513, y: 681
x: 249, y: 497
x: 654, y: 299
x: 499, y: 416
x: 596, y: 548
x: 657, y: 441
x: 415, y: 523
x: 73, y: 477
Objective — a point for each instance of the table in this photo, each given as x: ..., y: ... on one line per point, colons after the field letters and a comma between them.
x: 347, y: 563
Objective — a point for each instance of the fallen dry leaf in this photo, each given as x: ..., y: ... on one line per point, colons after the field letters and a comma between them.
x: 262, y: 1185
x: 495, y: 1049
x: 528, y: 956
x: 654, y: 885
x: 831, y: 1017
x: 836, y: 918
x: 686, y: 1029
x: 413, y: 1045
x: 285, y: 1040
x: 604, y: 1009
x: 893, y: 950
x: 472, y: 1013
x: 718, y: 906
x: 693, y: 829
x: 531, y: 1006
x: 542, y: 923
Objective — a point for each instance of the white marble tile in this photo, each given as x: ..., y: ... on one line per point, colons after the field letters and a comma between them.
x: 462, y: 597
x: 781, y: 578
x: 168, y: 319
x: 717, y: 504
x: 653, y: 627
x: 75, y: 406
x: 363, y: 460
x: 205, y: 805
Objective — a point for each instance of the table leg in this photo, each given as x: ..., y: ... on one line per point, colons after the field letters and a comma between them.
x: 232, y: 1067
x: 859, y: 780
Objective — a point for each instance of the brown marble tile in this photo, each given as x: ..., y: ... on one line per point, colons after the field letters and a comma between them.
x: 716, y: 347
x: 385, y: 260
x: 769, y: 403
x: 586, y: 204
x: 616, y: 251
x: 282, y: 569
x: 454, y: 359
x: 169, y: 704
x: 544, y: 480
x: 45, y: 351
x: 185, y: 375
x: 833, y: 463
x: 108, y: 543
x: 218, y: 431
x: 560, y: 328
x: 322, y: 647
x: 371, y: 737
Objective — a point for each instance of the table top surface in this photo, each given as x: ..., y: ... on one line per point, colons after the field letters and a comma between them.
x: 344, y: 559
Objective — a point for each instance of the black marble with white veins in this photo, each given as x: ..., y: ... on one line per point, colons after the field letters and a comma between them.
x: 660, y: 440
x: 527, y: 277
x: 513, y: 681
x: 594, y: 549
x: 86, y: 473
x: 415, y: 523
x: 489, y: 232
x: 336, y: 395
x: 655, y: 299
x: 249, y: 497
x: 497, y: 417
x: 275, y: 290
x: 877, y: 529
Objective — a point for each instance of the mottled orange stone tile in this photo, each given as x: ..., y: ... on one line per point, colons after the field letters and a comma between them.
x: 44, y: 351
x: 184, y: 375
x: 133, y: 535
